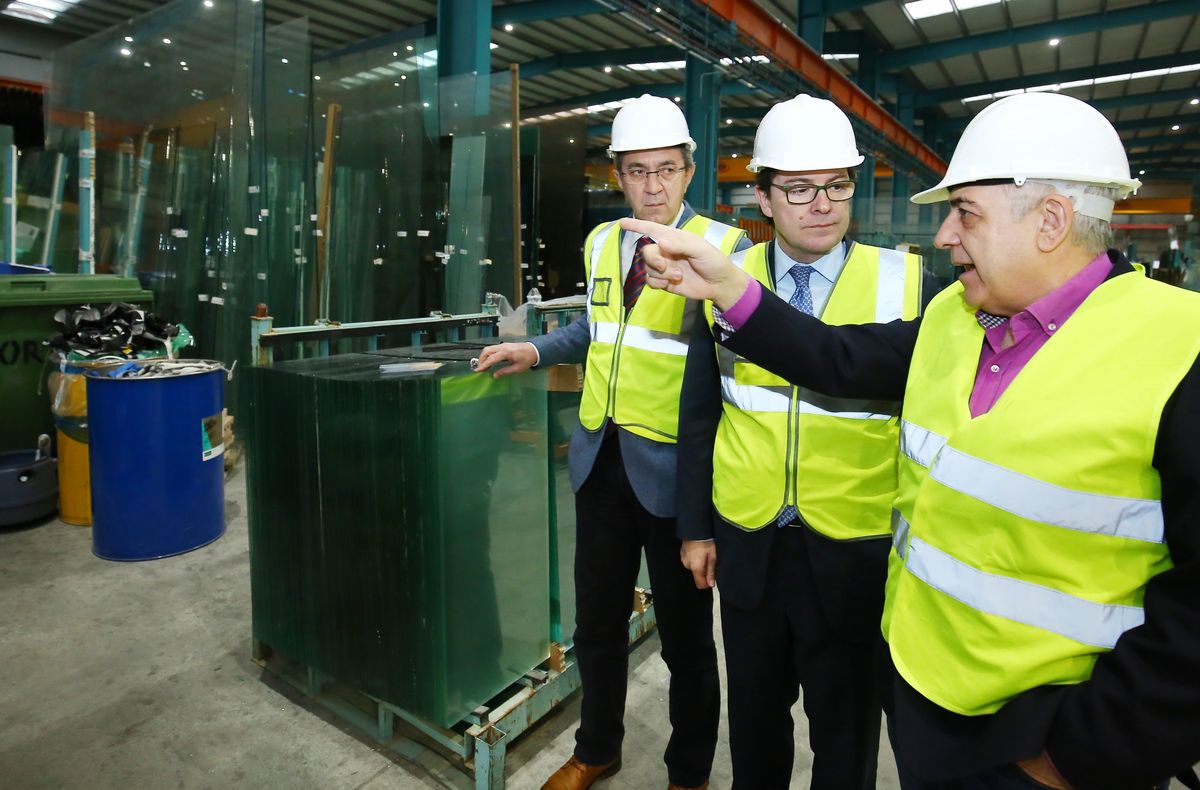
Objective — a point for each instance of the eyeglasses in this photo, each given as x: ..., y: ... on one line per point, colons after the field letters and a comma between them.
x: 638, y: 175
x: 803, y: 194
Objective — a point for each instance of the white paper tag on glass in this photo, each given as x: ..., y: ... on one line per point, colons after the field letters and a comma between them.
x: 378, y: 261
x: 402, y: 234
x: 422, y: 233
x: 202, y: 297
x: 251, y: 231
x: 253, y: 190
x: 262, y: 275
x: 218, y: 301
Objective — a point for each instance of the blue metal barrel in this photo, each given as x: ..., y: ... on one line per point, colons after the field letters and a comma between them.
x: 155, y: 445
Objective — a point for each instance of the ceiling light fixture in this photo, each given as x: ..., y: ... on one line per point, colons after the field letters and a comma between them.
x: 1175, y: 128
x: 1054, y: 42
x: 1141, y: 172
x: 608, y: 69
x: 508, y: 28
x: 126, y: 51
x: 167, y: 41
x: 129, y: 39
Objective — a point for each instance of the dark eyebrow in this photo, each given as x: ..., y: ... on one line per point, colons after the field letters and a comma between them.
x: 665, y: 163
x: 958, y: 201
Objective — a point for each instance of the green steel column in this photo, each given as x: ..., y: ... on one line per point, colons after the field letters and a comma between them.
x: 905, y: 107
x: 726, y: 194
x: 810, y: 16
x: 464, y: 31
x: 868, y: 71
x: 702, y: 90
x: 864, y: 200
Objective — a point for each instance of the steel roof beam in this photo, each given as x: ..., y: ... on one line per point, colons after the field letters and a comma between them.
x: 597, y: 58
x: 1062, y: 28
x: 542, y: 10
x: 1178, y: 138
x: 1161, y: 122
x: 668, y: 90
x: 935, y: 97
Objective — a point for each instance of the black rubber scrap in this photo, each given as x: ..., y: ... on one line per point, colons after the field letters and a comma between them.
x: 116, y: 329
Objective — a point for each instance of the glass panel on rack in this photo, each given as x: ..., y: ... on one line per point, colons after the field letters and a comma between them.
x: 408, y: 558
x: 166, y: 160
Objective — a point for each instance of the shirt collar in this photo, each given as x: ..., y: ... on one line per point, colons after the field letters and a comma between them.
x: 1048, y: 313
x: 828, y: 265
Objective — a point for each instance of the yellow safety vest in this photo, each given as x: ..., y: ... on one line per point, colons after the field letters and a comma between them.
x: 1024, y: 538
x: 635, y: 361
x: 838, y: 454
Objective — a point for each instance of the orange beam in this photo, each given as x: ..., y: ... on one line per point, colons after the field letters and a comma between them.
x: 35, y: 87
x: 788, y: 48
x: 1150, y: 205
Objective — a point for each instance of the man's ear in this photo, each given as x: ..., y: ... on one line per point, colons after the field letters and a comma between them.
x: 1056, y: 216
x: 764, y: 204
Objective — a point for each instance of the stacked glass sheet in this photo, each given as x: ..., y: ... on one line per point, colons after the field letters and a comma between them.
x: 214, y: 184
x: 398, y: 525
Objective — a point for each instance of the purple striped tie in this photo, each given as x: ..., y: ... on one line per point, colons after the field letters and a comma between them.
x: 636, y: 279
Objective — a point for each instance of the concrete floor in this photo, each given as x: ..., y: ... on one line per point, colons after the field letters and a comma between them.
x: 138, y: 675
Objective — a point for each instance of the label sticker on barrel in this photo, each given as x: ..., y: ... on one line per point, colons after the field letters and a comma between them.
x: 212, y: 437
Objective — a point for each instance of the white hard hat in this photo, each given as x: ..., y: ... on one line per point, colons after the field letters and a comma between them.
x: 649, y: 122
x: 1046, y: 136
x: 805, y: 133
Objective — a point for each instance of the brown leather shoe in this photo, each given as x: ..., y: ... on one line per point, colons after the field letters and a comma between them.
x: 576, y: 775
x: 681, y: 787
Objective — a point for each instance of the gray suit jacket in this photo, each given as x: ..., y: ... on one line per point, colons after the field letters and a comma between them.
x: 650, y: 465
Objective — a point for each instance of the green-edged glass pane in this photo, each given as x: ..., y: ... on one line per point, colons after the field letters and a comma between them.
x: 406, y: 555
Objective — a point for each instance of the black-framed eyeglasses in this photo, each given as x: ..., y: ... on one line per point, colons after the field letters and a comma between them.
x: 638, y: 175
x: 803, y: 194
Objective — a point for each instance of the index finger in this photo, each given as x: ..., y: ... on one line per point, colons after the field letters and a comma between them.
x: 488, y: 357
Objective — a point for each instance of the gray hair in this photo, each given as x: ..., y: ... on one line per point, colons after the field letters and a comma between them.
x: 689, y: 159
x: 1092, y: 234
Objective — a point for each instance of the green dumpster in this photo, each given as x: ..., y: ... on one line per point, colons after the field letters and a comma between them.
x: 27, y: 307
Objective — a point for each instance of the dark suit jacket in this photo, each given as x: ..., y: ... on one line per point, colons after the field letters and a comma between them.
x: 1137, y: 720
x: 849, y: 574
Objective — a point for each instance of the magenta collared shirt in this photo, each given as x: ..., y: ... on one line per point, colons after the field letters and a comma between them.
x: 1031, y: 328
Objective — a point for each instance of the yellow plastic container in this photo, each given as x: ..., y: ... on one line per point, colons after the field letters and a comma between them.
x: 74, y: 482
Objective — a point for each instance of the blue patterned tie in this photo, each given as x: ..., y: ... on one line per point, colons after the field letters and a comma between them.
x: 802, y: 297
x: 802, y: 301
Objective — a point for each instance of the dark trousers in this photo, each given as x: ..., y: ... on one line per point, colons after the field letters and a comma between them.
x: 1005, y: 777
x: 612, y: 530
x: 783, y: 644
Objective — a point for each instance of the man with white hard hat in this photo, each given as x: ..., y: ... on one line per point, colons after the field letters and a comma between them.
x: 623, y: 457
x: 1041, y: 608
x: 786, y: 494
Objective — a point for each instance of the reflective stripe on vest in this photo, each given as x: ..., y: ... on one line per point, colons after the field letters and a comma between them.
x: 1087, y: 622
x: 919, y: 444
x: 1028, y: 497
x: 636, y: 357
x: 1024, y: 538
x: 831, y: 458
x: 779, y: 400
x: 639, y: 337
